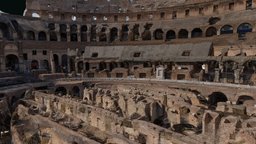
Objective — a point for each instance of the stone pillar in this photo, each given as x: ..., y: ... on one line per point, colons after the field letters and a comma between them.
x: 68, y: 33
x: 78, y: 33
x: 76, y: 67
x: 237, y: 76
x: 52, y: 63
x: 189, y: 34
x: 217, y: 75
x: 68, y: 64
x: 160, y: 72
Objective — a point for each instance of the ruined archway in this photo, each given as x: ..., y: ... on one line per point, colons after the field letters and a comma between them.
x: 226, y: 29
x: 103, y: 35
x: 12, y: 62
x: 124, y: 33
x: 73, y: 33
x: 76, y: 91
x: 56, y: 62
x: 42, y: 36
x: 211, y: 31
x: 61, y: 91
x: 243, y: 98
x: 244, y: 28
x: 63, y: 32
x: 216, y: 97
x: 158, y: 34
x: 146, y: 35
x: 135, y: 32
x: 170, y: 35
x: 83, y: 33
x: 80, y: 66
x: 102, y: 66
x: 248, y: 71
x: 46, y: 65
x: 34, y: 64
x: 113, y: 34
x: 197, y: 32
x: 93, y: 33
x: 183, y: 33
x: 53, y: 36
x: 30, y: 35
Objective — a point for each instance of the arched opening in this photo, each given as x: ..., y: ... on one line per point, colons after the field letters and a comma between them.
x: 243, y: 98
x: 226, y: 29
x: 56, y: 62
x: 93, y: 33
x: 63, y: 32
x: 211, y: 31
x: 76, y: 91
x: 158, y: 34
x: 112, y: 65
x: 4, y: 31
x: 17, y: 28
x: 170, y: 35
x: 30, y: 35
x: 34, y: 64
x: 146, y: 35
x: 102, y: 66
x: 197, y: 32
x: 46, y: 65
x: 212, y: 65
x: 135, y: 33
x: 61, y: 91
x: 73, y: 31
x: 183, y: 34
x: 113, y: 34
x: 72, y: 64
x: 216, y: 97
x: 87, y: 66
x: 42, y: 36
x: 80, y: 66
x: 64, y: 63
x: 124, y: 33
x: 12, y: 62
x: 228, y: 70
x: 244, y: 28
x: 248, y: 71
x: 53, y: 36
x: 102, y: 35
x: 84, y: 33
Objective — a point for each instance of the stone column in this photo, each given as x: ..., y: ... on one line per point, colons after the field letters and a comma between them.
x: 2, y: 64
x: 52, y: 63
x: 217, y: 75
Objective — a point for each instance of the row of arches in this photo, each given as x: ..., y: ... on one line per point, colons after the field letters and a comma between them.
x: 158, y: 34
x: 62, y: 91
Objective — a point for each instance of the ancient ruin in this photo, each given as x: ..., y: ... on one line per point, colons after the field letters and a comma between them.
x: 129, y: 72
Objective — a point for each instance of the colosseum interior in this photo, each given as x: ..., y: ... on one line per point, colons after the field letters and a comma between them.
x: 129, y: 72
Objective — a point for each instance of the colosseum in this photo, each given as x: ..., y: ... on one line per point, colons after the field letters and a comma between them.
x: 129, y: 72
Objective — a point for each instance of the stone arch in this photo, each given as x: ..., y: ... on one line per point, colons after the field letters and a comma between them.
x: 83, y: 30
x: 63, y: 32
x: 46, y: 65
x: 56, y: 62
x: 102, y: 35
x: 61, y: 91
x: 113, y: 34
x: 53, y: 36
x: 241, y: 99
x: 226, y: 29
x: 216, y: 97
x: 4, y: 31
x: 135, y: 32
x: 12, y: 62
x: 42, y: 36
x: 80, y: 66
x: 196, y: 32
x: 211, y: 31
x: 112, y: 65
x: 73, y: 32
x: 244, y: 28
x: 183, y: 33
x: 124, y: 33
x: 170, y: 35
x: 102, y: 66
x: 30, y: 35
x: 34, y: 64
x: 158, y: 34
x: 76, y: 91
x: 146, y: 35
